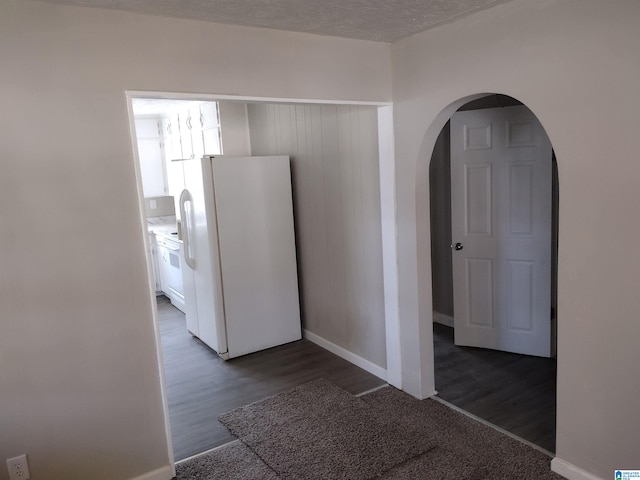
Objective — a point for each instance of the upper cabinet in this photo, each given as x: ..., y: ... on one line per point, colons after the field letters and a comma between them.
x: 195, y: 128
x: 188, y: 134
x: 173, y: 155
x: 210, y: 126
x: 172, y: 134
x: 151, y: 155
x: 209, y: 116
x: 192, y: 132
x: 186, y: 142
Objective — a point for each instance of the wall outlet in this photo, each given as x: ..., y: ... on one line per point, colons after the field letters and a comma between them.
x: 18, y: 468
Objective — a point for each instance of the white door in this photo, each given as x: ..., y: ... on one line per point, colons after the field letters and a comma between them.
x: 501, y: 204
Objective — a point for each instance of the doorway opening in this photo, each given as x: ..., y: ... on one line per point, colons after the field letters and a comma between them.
x: 479, y: 372
x: 197, y: 384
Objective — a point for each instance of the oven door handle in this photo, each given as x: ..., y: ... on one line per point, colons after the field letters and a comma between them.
x: 186, y: 212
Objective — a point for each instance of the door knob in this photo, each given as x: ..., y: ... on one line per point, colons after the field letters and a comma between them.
x: 457, y: 246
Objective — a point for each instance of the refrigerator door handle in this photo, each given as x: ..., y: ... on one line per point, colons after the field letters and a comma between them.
x: 187, y: 224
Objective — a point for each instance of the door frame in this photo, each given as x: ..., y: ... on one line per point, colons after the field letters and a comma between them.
x: 386, y: 159
x: 441, y: 228
x: 417, y: 319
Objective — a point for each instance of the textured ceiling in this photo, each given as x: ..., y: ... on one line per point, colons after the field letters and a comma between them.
x: 376, y: 20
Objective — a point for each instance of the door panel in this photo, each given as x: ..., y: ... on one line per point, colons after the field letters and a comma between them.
x: 520, y: 295
x: 479, y: 212
x: 501, y: 215
x: 520, y: 200
x: 479, y: 286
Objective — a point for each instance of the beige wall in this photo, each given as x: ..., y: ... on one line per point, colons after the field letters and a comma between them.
x: 575, y: 64
x: 78, y: 371
x: 336, y: 186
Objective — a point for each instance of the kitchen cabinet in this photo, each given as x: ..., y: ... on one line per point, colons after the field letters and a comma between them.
x: 171, y: 136
x: 188, y: 134
x: 197, y: 140
x: 151, y: 155
x: 173, y: 153
x: 186, y: 141
x: 192, y: 132
x: 210, y: 117
x: 210, y: 129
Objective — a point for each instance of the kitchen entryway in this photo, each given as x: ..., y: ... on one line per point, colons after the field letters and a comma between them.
x: 200, y: 385
x: 335, y: 164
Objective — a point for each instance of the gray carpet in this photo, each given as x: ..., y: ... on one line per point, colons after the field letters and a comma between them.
x: 318, y: 431
x: 466, y: 449
x: 233, y: 461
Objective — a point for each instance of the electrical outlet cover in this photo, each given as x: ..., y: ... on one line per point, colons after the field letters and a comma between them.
x: 18, y: 468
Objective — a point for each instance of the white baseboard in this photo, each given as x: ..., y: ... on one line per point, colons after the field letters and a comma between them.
x: 164, y: 473
x: 570, y: 471
x: 443, y: 319
x: 346, y: 354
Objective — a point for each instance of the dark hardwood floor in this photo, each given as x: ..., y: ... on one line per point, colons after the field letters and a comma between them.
x: 514, y: 392
x: 200, y: 385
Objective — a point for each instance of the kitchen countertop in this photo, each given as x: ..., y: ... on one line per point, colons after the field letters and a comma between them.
x: 167, y: 230
x: 163, y: 229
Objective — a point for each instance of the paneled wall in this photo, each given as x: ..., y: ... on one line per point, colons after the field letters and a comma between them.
x: 334, y: 158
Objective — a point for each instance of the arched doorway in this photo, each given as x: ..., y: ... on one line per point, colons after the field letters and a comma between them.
x: 515, y: 392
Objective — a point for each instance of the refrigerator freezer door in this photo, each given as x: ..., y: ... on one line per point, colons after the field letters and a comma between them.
x: 257, y: 252
x: 202, y: 242
x: 188, y: 264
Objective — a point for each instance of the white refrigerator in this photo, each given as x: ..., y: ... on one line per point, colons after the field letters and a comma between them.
x: 240, y: 274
